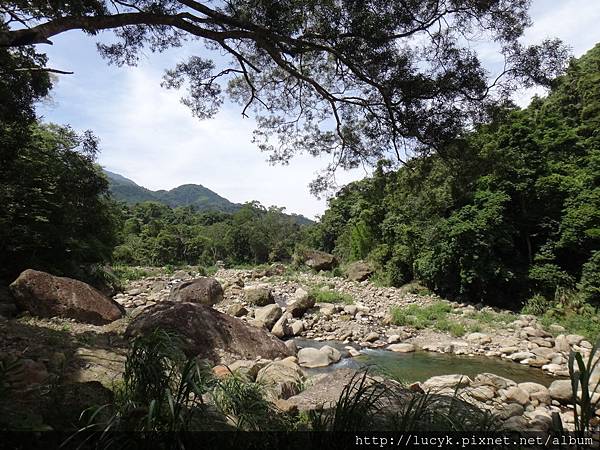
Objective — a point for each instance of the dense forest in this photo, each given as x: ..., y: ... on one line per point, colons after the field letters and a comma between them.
x: 510, y: 211
x: 506, y: 213
x: 155, y: 234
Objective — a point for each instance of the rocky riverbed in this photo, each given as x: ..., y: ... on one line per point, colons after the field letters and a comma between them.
x: 280, y: 306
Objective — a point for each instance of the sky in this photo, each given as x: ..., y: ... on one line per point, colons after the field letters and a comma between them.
x: 147, y: 135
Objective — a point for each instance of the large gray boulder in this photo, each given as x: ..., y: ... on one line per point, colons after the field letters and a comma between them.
x: 324, y: 393
x: 203, y: 290
x: 359, y: 271
x: 208, y: 333
x: 561, y: 391
x: 318, y: 260
x: 300, y: 302
x: 281, y: 378
x: 269, y: 315
x: 259, y: 295
x: 311, y: 357
x: 46, y: 295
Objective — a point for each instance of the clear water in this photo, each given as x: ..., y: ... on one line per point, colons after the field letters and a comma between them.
x: 419, y: 366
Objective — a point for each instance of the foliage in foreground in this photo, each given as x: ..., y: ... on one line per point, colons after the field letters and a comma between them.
x: 162, y: 390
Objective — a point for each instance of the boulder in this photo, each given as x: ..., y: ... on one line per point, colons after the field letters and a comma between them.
x: 325, y: 392
x: 300, y: 303
x: 268, y: 315
x: 574, y: 339
x: 281, y: 328
x: 479, y: 338
x: 371, y: 337
x: 446, y: 381
x: 515, y: 394
x: 319, y: 260
x: 490, y: 379
x: 359, y: 271
x: 311, y: 357
x: 561, y: 391
x: 401, y: 348
x: 46, y: 295
x: 282, y: 379
x: 237, y: 310
x: 208, y: 333
x: 203, y: 290
x: 297, y: 327
x: 520, y: 356
x: 333, y: 354
x: 248, y: 368
x: 258, y: 295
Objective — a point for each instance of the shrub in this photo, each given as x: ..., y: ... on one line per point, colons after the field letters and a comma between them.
x: 536, y: 305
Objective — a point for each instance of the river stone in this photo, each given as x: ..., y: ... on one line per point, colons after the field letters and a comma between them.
x: 446, y: 381
x: 325, y: 392
x: 297, y: 327
x: 520, y: 356
x: 574, y: 339
x: 481, y: 393
x: 531, y: 387
x: 248, y: 368
x: 281, y: 328
x: 46, y: 295
x: 300, y: 303
x: 208, y: 333
x: 371, y: 337
x: 237, y: 310
x: 480, y: 338
x: 203, y: 290
x: 268, y: 315
x: 333, y: 354
x: 282, y: 379
x: 515, y: 424
x: 542, y: 342
x: 509, y: 410
x: 490, y: 379
x: 402, y: 348
x: 258, y: 295
x: 544, y: 352
x: 535, y: 332
x: 311, y: 357
x: 561, y: 391
x: 515, y: 394
x: 561, y: 343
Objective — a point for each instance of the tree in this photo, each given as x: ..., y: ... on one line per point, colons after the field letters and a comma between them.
x: 355, y: 80
x: 508, y: 211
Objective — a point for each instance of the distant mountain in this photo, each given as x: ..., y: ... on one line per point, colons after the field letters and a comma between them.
x: 196, y: 195
x: 128, y: 191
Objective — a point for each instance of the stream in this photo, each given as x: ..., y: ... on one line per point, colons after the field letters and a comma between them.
x: 421, y: 365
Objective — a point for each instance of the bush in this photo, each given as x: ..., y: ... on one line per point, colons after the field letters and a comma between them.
x: 536, y: 305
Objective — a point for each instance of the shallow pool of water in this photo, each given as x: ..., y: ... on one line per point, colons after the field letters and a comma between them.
x: 419, y: 366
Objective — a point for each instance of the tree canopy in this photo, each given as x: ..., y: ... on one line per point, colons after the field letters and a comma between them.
x: 358, y: 80
x: 510, y: 211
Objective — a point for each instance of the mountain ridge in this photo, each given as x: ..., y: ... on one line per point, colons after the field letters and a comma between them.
x: 189, y: 194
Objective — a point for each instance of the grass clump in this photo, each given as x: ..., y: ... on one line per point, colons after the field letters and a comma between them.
x: 421, y: 316
x: 439, y: 316
x: 330, y: 296
x: 128, y: 273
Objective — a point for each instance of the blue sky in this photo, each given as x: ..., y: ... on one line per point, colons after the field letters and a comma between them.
x: 147, y: 135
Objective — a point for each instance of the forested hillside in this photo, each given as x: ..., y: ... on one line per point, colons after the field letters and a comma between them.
x: 509, y: 212
x: 196, y: 195
x: 155, y: 234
